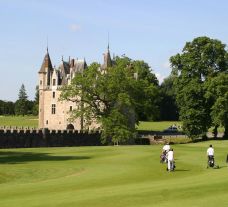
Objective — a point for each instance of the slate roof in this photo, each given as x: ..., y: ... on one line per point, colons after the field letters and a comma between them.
x: 46, y: 63
x: 64, y: 69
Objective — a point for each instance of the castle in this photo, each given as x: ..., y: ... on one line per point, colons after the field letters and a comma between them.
x: 54, y: 114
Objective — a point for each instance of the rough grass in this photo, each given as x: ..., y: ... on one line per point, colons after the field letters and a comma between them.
x: 112, y: 176
x: 19, y: 121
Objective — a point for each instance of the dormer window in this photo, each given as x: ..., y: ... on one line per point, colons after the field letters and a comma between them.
x: 54, y: 82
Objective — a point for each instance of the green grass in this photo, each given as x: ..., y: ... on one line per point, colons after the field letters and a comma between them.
x: 112, y: 177
x: 178, y: 140
x: 157, y: 125
x: 161, y: 125
x: 25, y: 121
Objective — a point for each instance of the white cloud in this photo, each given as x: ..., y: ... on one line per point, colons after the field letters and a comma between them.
x: 75, y: 27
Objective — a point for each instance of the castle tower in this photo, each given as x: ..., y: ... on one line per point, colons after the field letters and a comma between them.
x: 45, y: 73
x: 107, y: 58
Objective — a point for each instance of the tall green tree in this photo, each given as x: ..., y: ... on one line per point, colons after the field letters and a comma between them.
x: 200, y: 60
x: 21, y: 105
x: 35, y: 109
x: 148, y: 109
x: 111, y: 97
x: 168, y: 105
x: 217, y: 96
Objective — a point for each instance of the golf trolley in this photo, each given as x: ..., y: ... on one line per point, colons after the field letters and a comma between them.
x: 211, y: 162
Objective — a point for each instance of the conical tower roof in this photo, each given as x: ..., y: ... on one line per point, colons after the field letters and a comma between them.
x: 46, y: 63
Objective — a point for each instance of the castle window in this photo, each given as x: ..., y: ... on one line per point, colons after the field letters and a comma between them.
x: 53, y: 95
x: 47, y: 122
x: 53, y: 108
x: 41, y: 82
x: 71, y: 108
x: 54, y: 82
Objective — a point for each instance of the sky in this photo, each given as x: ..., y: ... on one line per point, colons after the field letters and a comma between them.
x: 149, y: 30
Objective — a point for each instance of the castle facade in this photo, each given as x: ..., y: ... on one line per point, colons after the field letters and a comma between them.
x: 53, y: 113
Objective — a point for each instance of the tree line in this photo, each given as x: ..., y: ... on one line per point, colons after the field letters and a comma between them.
x: 22, y: 106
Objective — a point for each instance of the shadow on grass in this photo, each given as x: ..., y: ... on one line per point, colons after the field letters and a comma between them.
x: 181, y: 170
x: 219, y: 166
x: 11, y: 157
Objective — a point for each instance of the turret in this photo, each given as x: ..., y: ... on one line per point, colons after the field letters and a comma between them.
x: 45, y: 73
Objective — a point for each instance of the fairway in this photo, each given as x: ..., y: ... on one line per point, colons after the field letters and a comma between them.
x: 112, y: 177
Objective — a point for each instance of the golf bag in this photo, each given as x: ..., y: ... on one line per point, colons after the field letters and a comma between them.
x: 163, y: 158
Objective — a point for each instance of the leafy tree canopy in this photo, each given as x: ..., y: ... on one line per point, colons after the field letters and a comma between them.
x: 217, y: 96
x: 114, y: 97
x: 168, y: 106
x: 200, y: 61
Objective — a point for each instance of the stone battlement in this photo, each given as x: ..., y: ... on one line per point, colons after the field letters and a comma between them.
x: 28, y: 137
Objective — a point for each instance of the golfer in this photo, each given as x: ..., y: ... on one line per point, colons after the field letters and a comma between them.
x: 170, y: 157
x: 210, y: 152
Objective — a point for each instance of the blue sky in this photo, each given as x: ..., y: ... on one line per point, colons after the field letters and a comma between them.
x: 149, y: 30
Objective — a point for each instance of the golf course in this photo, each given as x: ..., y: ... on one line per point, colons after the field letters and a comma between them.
x: 113, y: 176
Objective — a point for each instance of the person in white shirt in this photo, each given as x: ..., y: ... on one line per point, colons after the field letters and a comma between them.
x: 170, y: 157
x: 210, y: 154
x: 210, y: 151
x: 166, y: 148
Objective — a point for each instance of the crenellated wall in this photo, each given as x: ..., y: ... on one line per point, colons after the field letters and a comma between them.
x: 23, y: 138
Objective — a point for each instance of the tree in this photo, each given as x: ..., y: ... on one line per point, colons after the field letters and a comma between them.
x: 168, y: 105
x: 200, y: 60
x: 6, y: 108
x: 217, y: 95
x: 35, y: 109
x: 21, y: 105
x: 110, y: 97
x: 148, y: 109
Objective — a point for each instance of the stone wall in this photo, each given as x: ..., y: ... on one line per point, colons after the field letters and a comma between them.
x: 23, y: 138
